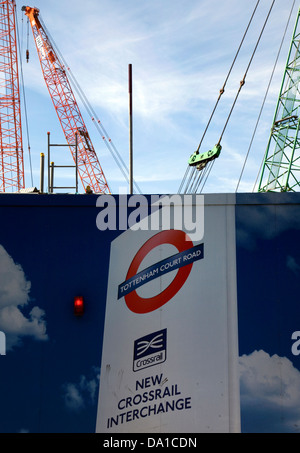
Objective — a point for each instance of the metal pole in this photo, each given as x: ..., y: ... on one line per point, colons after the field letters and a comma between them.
x: 49, y: 185
x: 42, y: 172
x: 51, y: 177
x: 76, y: 162
x: 130, y: 130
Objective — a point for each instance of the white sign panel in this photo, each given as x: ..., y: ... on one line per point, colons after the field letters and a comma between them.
x: 170, y: 358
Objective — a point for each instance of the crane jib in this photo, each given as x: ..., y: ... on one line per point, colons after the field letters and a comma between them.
x: 66, y: 107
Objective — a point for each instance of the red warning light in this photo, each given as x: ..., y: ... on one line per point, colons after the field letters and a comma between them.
x: 78, y: 306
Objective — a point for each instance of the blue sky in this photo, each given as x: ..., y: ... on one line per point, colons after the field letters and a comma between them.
x: 180, y: 53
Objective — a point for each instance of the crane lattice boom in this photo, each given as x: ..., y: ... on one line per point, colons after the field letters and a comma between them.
x: 281, y: 169
x: 65, y: 104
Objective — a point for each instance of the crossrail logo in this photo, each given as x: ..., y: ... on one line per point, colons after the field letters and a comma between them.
x: 183, y: 261
x: 150, y: 350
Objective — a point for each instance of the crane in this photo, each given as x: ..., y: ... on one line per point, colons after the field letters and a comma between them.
x: 11, y: 145
x: 281, y: 165
x: 66, y: 107
x: 203, y: 161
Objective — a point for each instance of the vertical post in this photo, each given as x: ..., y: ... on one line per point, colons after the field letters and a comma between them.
x: 51, y: 177
x: 76, y: 162
x: 42, y: 172
x: 130, y: 130
x: 49, y: 185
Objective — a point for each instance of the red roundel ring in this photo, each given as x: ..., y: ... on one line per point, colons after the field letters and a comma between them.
x: 182, y: 242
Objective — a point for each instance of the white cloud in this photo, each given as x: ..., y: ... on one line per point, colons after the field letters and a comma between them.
x: 270, y: 393
x: 73, y: 398
x: 13, y: 285
x: 14, y: 294
x: 78, y: 395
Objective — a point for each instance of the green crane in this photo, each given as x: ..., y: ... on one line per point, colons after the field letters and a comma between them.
x: 281, y: 165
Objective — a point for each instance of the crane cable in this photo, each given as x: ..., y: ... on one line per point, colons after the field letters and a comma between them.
x: 242, y: 83
x: 221, y: 92
x: 24, y: 96
x: 264, y: 101
x: 107, y: 140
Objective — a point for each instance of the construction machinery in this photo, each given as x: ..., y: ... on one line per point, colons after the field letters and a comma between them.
x: 203, y: 161
x: 281, y: 163
x: 281, y: 166
x: 66, y: 107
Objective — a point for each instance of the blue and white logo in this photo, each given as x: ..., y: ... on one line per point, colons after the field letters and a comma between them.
x: 150, y: 350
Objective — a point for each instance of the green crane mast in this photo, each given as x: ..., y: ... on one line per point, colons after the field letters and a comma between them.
x: 281, y: 166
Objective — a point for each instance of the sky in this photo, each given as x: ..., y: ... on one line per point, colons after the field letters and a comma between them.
x: 180, y: 53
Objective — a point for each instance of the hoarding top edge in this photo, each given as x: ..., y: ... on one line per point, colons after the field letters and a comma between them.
x: 263, y: 198
x: 89, y: 200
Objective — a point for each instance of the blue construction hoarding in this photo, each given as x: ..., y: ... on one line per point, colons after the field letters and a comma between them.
x: 162, y: 303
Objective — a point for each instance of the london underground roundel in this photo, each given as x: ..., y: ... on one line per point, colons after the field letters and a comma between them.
x: 182, y: 242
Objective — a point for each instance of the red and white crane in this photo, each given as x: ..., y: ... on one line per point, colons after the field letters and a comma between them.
x: 66, y: 107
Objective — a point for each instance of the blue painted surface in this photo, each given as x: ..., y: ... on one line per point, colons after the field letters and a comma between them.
x: 51, y: 251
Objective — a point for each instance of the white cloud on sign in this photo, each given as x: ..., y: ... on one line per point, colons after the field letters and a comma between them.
x: 14, y: 294
x: 270, y: 393
x: 79, y: 394
x: 292, y: 264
